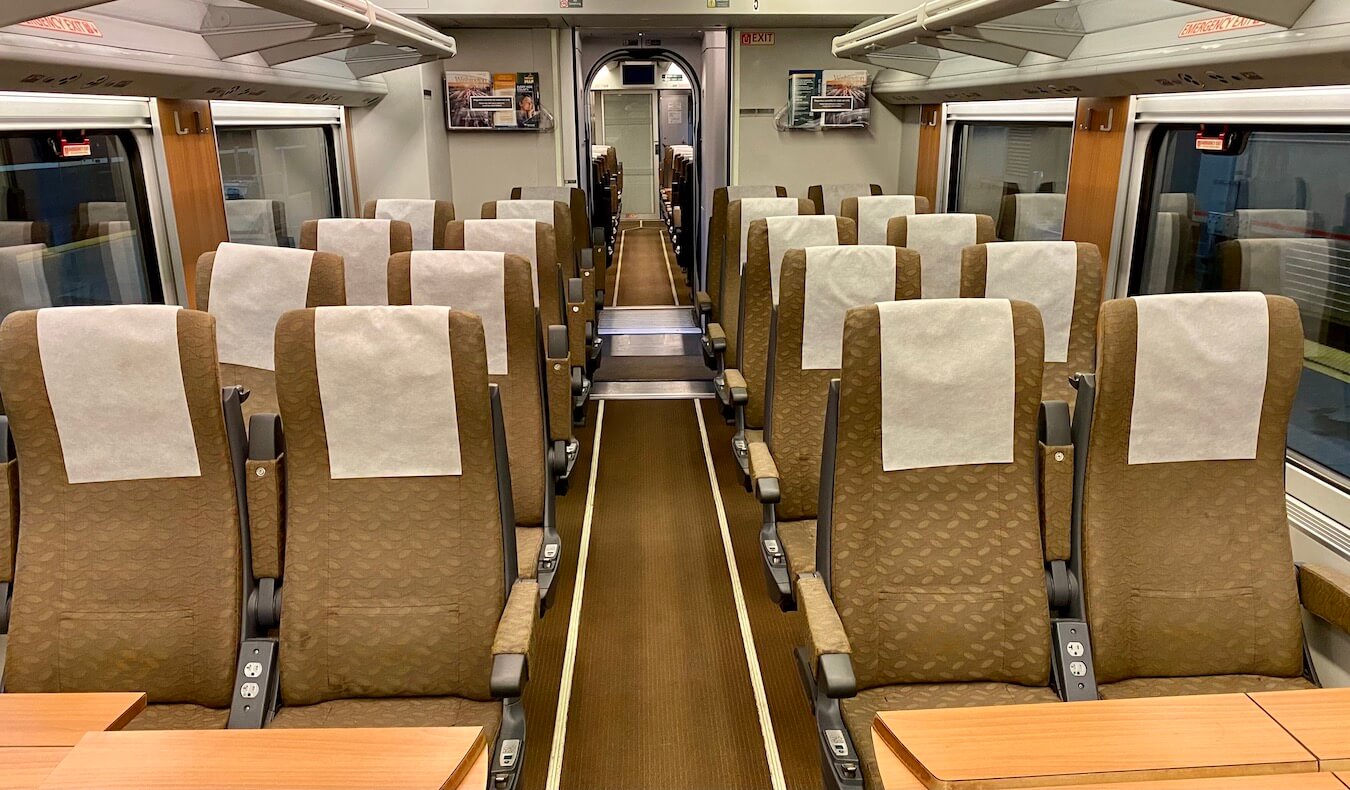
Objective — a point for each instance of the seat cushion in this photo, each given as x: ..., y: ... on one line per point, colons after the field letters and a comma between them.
x: 393, y: 712
x: 528, y: 541
x: 799, y: 544
x: 180, y: 717
x: 860, y: 710
x: 1213, y: 684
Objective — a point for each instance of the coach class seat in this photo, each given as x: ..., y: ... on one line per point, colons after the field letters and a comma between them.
x: 255, y: 221
x: 1035, y: 216
x: 829, y: 198
x: 939, y: 239
x: 365, y: 246
x: 871, y: 213
x: 427, y: 218
x: 709, y: 300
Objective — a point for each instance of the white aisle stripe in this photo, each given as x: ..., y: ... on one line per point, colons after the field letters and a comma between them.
x: 743, y: 617
x: 555, y: 757
x: 618, y: 266
x: 674, y: 297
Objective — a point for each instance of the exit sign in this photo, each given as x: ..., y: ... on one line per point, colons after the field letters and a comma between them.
x: 761, y: 39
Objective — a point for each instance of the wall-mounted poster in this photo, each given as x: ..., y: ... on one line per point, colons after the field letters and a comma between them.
x: 826, y: 98
x: 484, y: 100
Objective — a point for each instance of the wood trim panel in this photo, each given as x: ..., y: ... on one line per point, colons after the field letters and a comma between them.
x: 193, y: 165
x: 930, y: 149
x: 1094, y: 172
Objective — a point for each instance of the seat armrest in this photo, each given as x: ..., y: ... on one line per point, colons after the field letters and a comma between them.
x: 1056, y: 500
x: 576, y: 321
x: 829, y: 641
x: 1325, y: 592
x: 265, y: 489
x: 704, y: 303
x: 732, y: 389
x: 717, y: 339
x: 558, y: 382
x: 511, y: 645
x: 764, y: 473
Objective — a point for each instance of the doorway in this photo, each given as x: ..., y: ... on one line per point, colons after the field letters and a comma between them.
x: 628, y: 122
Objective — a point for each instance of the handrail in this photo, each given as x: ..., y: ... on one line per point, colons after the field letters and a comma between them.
x: 929, y: 17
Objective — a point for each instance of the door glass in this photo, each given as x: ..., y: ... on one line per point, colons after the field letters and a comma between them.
x: 275, y: 178
x: 1272, y: 214
x: 629, y: 127
x: 73, y: 228
x: 1014, y: 172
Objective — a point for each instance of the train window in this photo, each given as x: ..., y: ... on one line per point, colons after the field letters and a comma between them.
x: 1015, y: 173
x: 1268, y: 211
x: 275, y: 178
x: 73, y: 222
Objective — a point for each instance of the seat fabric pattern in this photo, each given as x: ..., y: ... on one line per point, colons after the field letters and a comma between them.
x: 562, y: 235
x: 717, y: 247
x: 180, y: 717
x: 394, y: 584
x: 799, y: 544
x: 1188, y: 568
x: 1208, y: 684
x: 125, y: 585
x: 937, y: 573
x: 551, y: 309
x: 1082, y: 329
x: 528, y: 542
x: 397, y: 712
x: 442, y: 214
x: 733, y: 275
x: 862, y: 709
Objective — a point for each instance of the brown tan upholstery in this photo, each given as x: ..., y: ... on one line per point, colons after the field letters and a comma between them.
x: 326, y: 288
x: 14, y: 232
x: 400, y: 236
x: 394, y: 712
x: 180, y: 717
x: 1325, y: 592
x: 1082, y: 327
x: 717, y: 242
x: 1187, y: 566
x: 1206, y: 684
x: 942, y: 266
x: 816, y: 194
x: 897, y: 230
x: 758, y: 319
x: 798, y: 408
x: 355, y: 271
x: 551, y: 311
x: 562, y: 233
x: 9, y: 518
x: 442, y: 212
x: 733, y: 275
x: 849, y: 208
x: 126, y: 584
x: 575, y: 199
x: 394, y: 584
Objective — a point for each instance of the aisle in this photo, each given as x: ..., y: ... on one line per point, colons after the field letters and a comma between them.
x: 645, y: 272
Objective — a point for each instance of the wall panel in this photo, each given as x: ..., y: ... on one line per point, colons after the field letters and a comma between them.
x: 194, y: 180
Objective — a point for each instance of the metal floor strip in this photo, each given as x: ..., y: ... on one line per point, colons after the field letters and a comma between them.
x: 652, y: 390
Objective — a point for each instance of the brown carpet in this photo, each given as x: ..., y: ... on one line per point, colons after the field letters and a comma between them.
x: 662, y: 697
x: 642, y: 274
x: 685, y: 368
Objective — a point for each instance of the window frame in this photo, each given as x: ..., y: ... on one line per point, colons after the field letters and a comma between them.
x: 337, y: 196
x: 951, y: 188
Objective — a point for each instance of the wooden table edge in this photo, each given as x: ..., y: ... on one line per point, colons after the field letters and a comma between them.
x: 465, y: 770
x: 130, y: 713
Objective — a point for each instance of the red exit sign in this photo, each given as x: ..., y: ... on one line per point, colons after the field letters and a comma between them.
x: 761, y: 39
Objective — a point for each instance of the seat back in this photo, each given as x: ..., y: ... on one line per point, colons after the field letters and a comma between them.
x: 768, y: 241
x: 130, y: 576
x: 829, y: 198
x: 426, y: 218
x: 533, y: 241
x: 872, y: 212
x: 14, y: 233
x: 740, y: 213
x: 937, y: 442
x: 248, y: 287
x: 575, y: 199
x: 819, y: 285
x: 497, y: 287
x: 1306, y: 270
x: 252, y: 221
x: 1272, y: 223
x: 939, y: 240
x: 717, y: 235
x: 394, y: 540
x: 88, y: 216
x: 1182, y: 203
x: 551, y: 212
x: 1187, y: 567
x: 1032, y: 216
x: 365, y: 246
x: 1172, y: 265
x: 24, y: 279
x: 1063, y: 279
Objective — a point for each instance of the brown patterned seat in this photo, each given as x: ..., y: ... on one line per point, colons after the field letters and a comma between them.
x: 709, y: 300
x: 871, y: 213
x: 400, y: 542
x: 498, y: 288
x: 130, y: 533
x: 1064, y: 280
x: 939, y: 240
x: 1189, y: 581
x: 426, y: 218
x: 829, y: 198
x: 365, y: 246
x: 920, y: 602
x: 806, y: 357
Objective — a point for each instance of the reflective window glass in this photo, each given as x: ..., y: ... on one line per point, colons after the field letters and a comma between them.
x: 275, y: 178
x: 1014, y: 172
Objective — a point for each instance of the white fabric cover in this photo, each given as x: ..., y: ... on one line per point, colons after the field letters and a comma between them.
x: 1182, y: 203
x: 762, y: 208
x: 1305, y: 270
x: 1039, y: 217
x: 797, y: 233
x: 251, y: 286
x: 387, y: 388
x: 23, y: 278
x: 364, y: 247
x: 1044, y: 273
x: 1272, y: 223
x: 741, y: 192
x: 537, y: 210
x: 470, y: 280
x: 1165, y: 253
x: 115, y: 383
x: 101, y: 211
x: 875, y: 211
x: 251, y: 221
x: 948, y: 383
x: 939, y: 239
x: 837, y: 280
x: 834, y: 194
x: 506, y: 235
x: 420, y: 213
x: 555, y: 194
x: 15, y: 232
x: 1200, y: 377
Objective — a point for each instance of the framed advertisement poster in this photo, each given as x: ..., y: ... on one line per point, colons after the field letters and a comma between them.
x: 826, y: 98
x: 493, y: 101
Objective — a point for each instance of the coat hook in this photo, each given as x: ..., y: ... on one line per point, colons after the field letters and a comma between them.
x: 178, y: 125
x: 197, y: 120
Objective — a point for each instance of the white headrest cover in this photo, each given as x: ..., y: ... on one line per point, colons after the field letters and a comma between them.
x: 537, y: 210
x: 364, y: 247
x: 555, y: 194
x: 418, y: 213
x: 251, y: 221
x: 387, y: 388
x: 1164, y: 252
x: 834, y: 194
x: 103, y: 211
x: 470, y: 280
x: 1182, y: 203
x: 939, y: 239
x: 1040, y: 216
x: 1272, y: 223
x: 251, y: 286
x: 948, y: 383
x: 875, y: 211
x: 15, y: 232
x: 741, y: 192
x: 1044, y: 273
x: 516, y: 236
x: 837, y: 280
x: 797, y: 233
x: 23, y: 278
x: 115, y: 382
x: 1199, y: 378
x: 762, y: 208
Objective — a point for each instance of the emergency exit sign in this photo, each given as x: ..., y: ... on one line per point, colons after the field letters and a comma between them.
x: 761, y: 39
